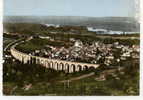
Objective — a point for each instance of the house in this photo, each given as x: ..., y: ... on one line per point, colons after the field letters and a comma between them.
x: 78, y: 43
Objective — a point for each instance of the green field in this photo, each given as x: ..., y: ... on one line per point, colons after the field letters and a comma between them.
x: 37, y: 44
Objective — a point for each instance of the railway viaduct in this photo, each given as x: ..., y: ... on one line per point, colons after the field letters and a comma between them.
x: 67, y: 66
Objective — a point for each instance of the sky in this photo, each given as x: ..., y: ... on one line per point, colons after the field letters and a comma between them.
x: 92, y: 8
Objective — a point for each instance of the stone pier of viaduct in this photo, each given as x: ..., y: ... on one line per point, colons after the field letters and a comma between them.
x: 67, y: 66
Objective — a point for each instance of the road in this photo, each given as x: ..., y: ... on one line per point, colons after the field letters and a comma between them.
x: 78, y: 78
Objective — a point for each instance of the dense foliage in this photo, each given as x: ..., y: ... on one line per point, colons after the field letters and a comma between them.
x: 24, y: 28
x: 45, y: 81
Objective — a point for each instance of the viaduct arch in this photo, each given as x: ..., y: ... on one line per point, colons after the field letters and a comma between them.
x: 67, y: 66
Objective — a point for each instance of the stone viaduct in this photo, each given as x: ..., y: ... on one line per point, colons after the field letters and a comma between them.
x: 67, y: 66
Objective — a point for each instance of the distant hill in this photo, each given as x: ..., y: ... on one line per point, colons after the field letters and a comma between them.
x: 110, y: 23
